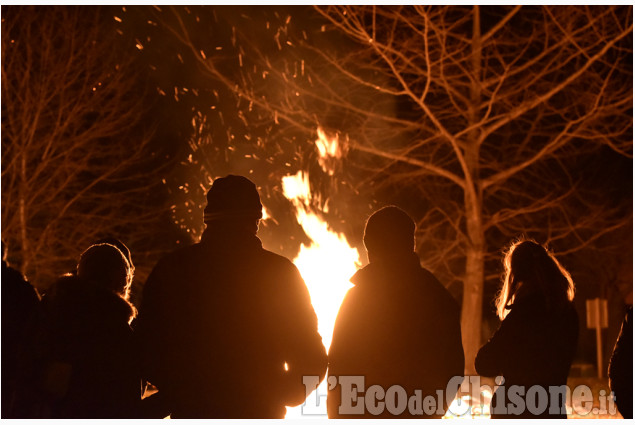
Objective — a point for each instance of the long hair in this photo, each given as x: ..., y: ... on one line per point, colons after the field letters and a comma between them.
x: 534, y: 268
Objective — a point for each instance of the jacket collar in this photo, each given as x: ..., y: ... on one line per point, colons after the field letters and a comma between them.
x: 401, y: 269
x: 218, y: 239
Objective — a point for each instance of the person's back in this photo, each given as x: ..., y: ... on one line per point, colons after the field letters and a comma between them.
x: 81, y: 363
x: 621, y: 367
x: 534, y: 346
x: 397, y: 326
x: 90, y: 364
x: 19, y: 305
x: 218, y: 322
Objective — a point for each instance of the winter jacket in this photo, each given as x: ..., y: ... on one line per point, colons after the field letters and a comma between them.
x: 81, y: 362
x: 218, y: 322
x: 534, y: 345
x: 397, y: 325
x: 19, y: 306
x: 621, y: 368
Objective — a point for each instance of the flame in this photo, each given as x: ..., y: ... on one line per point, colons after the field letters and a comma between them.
x: 465, y: 407
x: 326, y: 264
x: 329, y: 150
x: 327, y: 147
x: 266, y: 215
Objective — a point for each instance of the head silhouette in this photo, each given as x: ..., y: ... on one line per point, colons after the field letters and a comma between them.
x: 104, y: 265
x: 233, y: 203
x: 121, y: 247
x: 531, y: 269
x: 389, y: 235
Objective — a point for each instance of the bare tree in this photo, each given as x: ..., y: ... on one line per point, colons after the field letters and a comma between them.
x: 478, y: 115
x: 75, y: 156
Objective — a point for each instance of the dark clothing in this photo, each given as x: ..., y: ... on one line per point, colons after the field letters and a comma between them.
x: 534, y: 345
x: 19, y: 304
x: 621, y: 368
x: 219, y: 320
x: 82, y: 361
x: 398, y: 325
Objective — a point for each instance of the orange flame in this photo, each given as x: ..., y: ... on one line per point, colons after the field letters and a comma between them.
x: 326, y: 264
x: 464, y: 407
x: 329, y: 150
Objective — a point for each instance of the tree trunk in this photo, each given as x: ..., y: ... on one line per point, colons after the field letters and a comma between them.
x: 472, y: 307
x: 471, y: 313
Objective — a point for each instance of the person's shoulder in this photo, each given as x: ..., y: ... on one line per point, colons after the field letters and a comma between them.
x: 66, y: 282
x: 11, y: 274
x: 67, y: 290
x: 276, y: 260
x: 15, y: 281
x: 436, y: 289
x: 429, y: 277
x: 179, y: 256
x: 170, y: 266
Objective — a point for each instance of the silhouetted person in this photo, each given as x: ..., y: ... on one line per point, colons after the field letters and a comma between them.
x: 19, y: 304
x: 537, y: 338
x: 397, y: 325
x: 220, y: 319
x: 85, y: 364
x: 621, y: 368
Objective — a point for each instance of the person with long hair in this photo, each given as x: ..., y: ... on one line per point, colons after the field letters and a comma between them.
x: 534, y: 346
x: 82, y: 363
